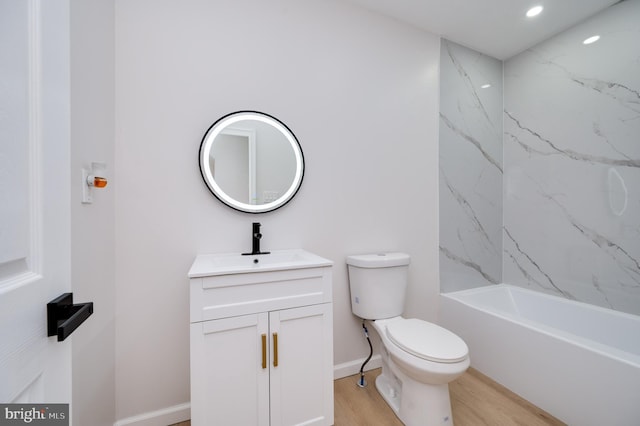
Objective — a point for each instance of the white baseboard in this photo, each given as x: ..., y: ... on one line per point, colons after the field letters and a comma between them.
x: 182, y: 412
x: 166, y: 416
x: 353, y: 367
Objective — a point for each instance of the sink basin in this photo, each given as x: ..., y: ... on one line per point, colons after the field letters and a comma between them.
x: 235, y: 263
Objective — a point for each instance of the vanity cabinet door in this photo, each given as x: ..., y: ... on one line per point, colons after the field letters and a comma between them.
x: 302, y: 365
x: 229, y: 381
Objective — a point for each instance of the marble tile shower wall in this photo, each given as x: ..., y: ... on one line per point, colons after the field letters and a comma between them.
x: 572, y: 163
x: 470, y: 168
x: 549, y: 199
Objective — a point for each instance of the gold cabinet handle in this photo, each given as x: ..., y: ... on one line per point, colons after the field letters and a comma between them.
x: 275, y: 349
x: 264, y: 351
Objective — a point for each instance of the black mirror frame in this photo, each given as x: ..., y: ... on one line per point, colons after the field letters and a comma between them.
x: 227, y: 200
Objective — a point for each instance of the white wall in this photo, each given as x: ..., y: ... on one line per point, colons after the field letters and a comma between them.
x: 572, y: 162
x: 93, y: 226
x: 470, y: 168
x: 361, y: 94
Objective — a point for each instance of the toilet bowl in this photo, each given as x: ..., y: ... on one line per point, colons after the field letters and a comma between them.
x: 414, y: 382
x: 419, y: 358
x: 426, y: 352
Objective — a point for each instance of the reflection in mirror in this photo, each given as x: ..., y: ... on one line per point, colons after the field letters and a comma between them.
x: 251, y: 161
x: 234, y: 150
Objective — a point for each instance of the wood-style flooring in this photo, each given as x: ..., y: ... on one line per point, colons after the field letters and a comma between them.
x: 476, y: 400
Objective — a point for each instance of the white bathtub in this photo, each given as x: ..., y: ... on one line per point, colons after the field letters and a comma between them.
x: 580, y: 363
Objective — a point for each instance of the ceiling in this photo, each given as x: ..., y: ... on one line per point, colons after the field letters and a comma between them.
x: 498, y: 28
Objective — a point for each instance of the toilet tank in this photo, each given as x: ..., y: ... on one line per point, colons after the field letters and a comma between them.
x: 378, y: 284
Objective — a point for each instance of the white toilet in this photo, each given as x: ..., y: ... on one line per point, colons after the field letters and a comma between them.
x: 419, y: 358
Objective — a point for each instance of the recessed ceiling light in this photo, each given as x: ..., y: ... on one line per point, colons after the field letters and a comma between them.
x: 485, y: 86
x: 591, y: 39
x: 534, y: 11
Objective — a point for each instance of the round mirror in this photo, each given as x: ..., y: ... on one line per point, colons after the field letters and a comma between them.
x: 251, y: 161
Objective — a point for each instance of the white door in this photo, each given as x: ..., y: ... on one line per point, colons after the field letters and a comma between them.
x: 34, y: 198
x: 230, y: 371
x: 301, y: 380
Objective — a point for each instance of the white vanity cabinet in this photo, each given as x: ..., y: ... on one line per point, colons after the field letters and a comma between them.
x: 262, y: 346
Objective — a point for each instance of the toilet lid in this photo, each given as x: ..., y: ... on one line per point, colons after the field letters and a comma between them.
x: 427, y: 341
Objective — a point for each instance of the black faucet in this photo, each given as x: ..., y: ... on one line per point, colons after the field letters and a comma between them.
x: 255, y: 244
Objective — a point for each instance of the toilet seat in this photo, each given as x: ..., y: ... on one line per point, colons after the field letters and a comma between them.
x: 427, y: 341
